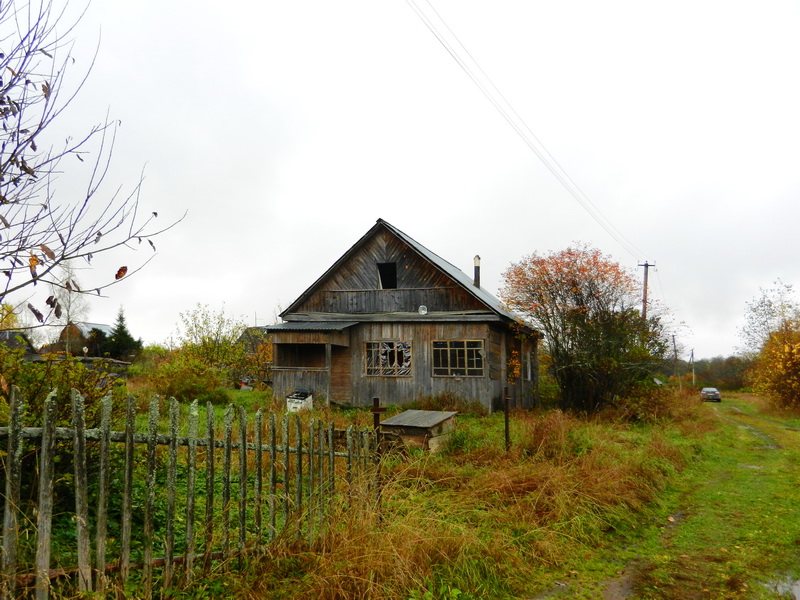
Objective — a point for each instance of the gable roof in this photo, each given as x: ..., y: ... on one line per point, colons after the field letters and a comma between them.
x: 86, y: 328
x: 453, y: 272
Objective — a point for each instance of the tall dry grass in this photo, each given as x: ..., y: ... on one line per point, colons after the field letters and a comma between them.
x: 485, y: 521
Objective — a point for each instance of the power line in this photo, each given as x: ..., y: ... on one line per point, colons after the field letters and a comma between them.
x: 517, y: 123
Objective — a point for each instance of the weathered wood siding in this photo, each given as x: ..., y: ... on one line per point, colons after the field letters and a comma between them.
x: 285, y: 381
x: 421, y: 382
x: 355, y: 287
x: 341, y: 375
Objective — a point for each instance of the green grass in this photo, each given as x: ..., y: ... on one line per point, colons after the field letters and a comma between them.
x: 728, y: 526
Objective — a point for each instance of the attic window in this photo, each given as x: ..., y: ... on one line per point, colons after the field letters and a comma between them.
x: 387, y: 273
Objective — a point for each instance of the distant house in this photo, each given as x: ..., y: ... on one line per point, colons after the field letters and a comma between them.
x: 77, y: 336
x: 17, y: 340
x: 393, y: 320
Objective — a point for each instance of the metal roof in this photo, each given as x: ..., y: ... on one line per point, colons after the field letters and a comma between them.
x: 455, y: 273
x: 419, y: 418
x: 311, y: 326
x: 86, y: 328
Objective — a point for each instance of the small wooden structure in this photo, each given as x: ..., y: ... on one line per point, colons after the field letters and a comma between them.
x: 426, y: 429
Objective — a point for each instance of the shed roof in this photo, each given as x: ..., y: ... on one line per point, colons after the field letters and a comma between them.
x: 311, y: 326
x: 419, y: 418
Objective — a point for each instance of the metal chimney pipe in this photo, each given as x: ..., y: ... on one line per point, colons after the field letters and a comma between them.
x: 477, y: 279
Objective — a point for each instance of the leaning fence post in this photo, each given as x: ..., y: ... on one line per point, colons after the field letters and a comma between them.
x: 286, y: 497
x: 150, y: 501
x: 226, y: 482
x: 311, y: 482
x: 81, y: 492
x: 127, y: 493
x: 258, y: 484
x: 331, y: 461
x: 44, y: 520
x: 210, y: 483
x: 273, y: 476
x: 299, y: 475
x: 172, y: 478
x: 242, y: 481
x: 349, y: 434
x: 102, y: 496
x: 191, y: 482
x: 13, y: 492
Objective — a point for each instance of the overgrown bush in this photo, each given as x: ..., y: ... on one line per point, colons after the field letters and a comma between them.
x: 36, y: 379
x: 179, y: 374
x: 777, y: 369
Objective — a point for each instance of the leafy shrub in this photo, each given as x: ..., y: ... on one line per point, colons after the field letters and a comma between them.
x: 181, y: 375
x: 651, y: 404
x: 36, y: 379
x: 777, y: 369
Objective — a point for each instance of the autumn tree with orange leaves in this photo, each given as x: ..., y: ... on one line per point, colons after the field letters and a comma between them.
x: 586, y: 306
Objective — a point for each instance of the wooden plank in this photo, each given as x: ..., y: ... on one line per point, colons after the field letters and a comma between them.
x: 172, y: 479
x: 226, y: 481
x: 273, y: 476
x: 285, y: 497
x: 81, y: 493
x: 242, y: 482
x: 101, y: 534
x: 13, y: 474
x: 210, y: 468
x: 191, y: 484
x: 259, y: 476
x: 44, y: 519
x: 311, y: 481
x: 298, y: 475
x: 127, y: 492
x: 150, y: 498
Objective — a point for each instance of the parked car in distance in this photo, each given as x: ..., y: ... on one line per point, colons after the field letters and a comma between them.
x: 710, y: 395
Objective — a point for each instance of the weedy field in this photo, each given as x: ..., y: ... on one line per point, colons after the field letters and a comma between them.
x: 574, y: 503
x: 683, y: 500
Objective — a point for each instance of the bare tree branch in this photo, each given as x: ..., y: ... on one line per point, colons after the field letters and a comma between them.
x: 39, y: 231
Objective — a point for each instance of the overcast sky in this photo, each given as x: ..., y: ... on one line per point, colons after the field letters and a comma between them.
x: 285, y: 129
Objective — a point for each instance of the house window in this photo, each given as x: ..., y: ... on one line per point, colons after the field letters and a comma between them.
x: 391, y: 359
x: 387, y: 274
x: 458, y: 358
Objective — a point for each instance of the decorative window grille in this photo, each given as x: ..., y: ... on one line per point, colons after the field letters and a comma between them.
x: 388, y: 359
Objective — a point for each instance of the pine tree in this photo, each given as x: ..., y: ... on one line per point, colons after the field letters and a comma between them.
x: 121, y: 344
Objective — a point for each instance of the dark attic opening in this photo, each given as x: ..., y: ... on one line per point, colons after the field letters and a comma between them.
x: 387, y: 272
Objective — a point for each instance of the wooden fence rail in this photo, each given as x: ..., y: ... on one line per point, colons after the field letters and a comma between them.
x: 185, y: 497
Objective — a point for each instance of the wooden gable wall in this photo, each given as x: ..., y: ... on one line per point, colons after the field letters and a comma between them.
x: 354, y: 287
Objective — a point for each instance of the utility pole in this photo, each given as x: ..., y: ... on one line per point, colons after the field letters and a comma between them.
x: 646, y: 266
x: 675, y: 350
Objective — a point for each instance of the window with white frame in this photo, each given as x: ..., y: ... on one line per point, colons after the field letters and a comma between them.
x: 388, y: 359
x: 458, y: 358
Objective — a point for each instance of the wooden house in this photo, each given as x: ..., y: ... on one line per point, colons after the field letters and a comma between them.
x: 391, y: 319
x: 75, y: 336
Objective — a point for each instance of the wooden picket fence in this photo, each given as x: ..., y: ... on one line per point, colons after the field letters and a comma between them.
x: 211, y: 499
